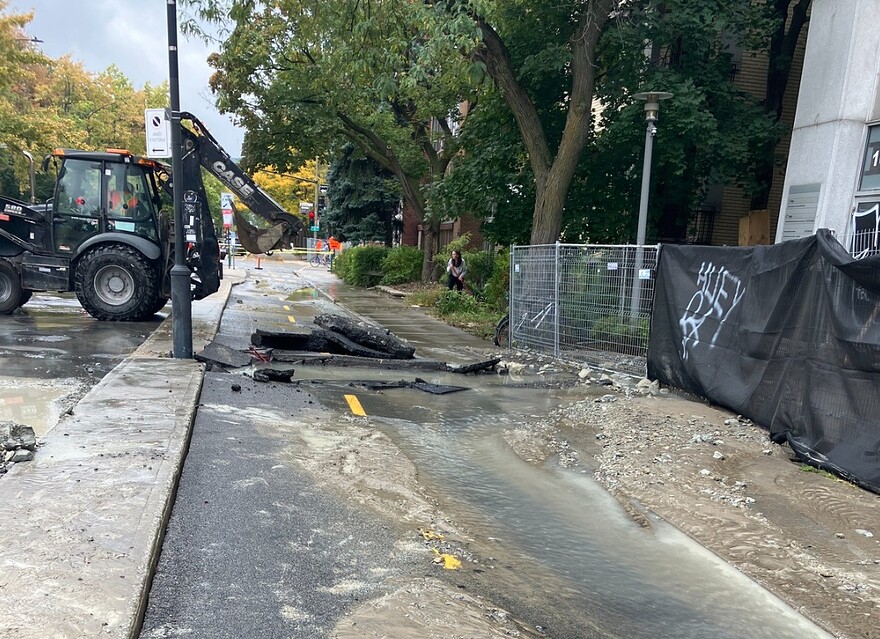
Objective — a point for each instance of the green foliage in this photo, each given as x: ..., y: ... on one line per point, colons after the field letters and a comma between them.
x: 361, y: 265
x: 453, y: 302
x: 464, y: 311
x: 619, y: 327
x: 495, y: 293
x: 376, y: 75
x: 495, y: 166
x: 806, y: 468
x: 427, y: 297
x: 402, y: 264
x: 488, y: 275
x: 342, y: 264
x: 708, y: 133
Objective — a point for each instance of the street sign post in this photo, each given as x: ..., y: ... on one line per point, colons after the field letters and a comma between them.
x: 226, y: 209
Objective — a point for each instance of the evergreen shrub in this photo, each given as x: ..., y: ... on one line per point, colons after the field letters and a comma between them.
x: 402, y: 264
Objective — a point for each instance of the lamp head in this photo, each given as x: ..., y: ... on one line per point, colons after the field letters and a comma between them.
x: 652, y: 102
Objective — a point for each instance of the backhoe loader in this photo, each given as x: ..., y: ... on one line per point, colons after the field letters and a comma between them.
x: 108, y: 234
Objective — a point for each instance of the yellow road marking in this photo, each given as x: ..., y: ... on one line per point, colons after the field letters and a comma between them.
x: 355, y: 405
x: 291, y: 319
x: 286, y: 307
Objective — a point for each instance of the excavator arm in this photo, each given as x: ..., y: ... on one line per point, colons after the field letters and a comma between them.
x: 201, y: 147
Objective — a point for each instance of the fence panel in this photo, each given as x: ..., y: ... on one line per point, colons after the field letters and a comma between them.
x: 586, y: 302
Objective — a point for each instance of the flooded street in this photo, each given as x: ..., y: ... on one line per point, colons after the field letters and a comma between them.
x: 546, y: 541
x: 555, y: 527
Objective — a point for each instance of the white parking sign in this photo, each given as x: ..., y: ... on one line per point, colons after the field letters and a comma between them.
x: 158, y: 128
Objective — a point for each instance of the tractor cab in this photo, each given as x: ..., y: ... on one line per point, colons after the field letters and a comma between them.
x: 102, y: 192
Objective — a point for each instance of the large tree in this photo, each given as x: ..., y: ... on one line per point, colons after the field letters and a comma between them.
x: 48, y: 103
x: 708, y: 133
x: 784, y: 21
x: 307, y: 76
x: 561, y: 51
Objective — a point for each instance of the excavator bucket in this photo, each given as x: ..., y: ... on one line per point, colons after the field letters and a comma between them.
x: 262, y: 240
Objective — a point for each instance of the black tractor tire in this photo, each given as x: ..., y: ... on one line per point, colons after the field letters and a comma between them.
x: 10, y: 288
x: 25, y: 296
x: 116, y: 283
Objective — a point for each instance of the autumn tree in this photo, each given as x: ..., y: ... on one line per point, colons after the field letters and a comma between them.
x: 21, y: 127
x: 291, y: 188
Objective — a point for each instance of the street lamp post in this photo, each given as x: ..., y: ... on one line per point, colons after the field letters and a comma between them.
x: 181, y: 293
x: 652, y: 108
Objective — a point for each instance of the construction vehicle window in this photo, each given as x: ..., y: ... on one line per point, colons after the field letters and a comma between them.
x: 79, y: 188
x: 128, y: 193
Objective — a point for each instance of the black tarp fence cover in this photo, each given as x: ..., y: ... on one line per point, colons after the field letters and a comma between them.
x: 787, y: 335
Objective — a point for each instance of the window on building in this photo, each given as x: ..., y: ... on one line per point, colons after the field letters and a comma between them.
x: 865, y: 239
x: 870, y: 179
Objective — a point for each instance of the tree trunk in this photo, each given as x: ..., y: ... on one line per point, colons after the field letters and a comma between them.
x: 430, y: 239
x: 553, y: 175
x: 783, y: 42
x: 549, y: 202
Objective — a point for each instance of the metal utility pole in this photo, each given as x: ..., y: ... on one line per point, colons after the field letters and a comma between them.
x: 181, y: 293
x: 652, y: 108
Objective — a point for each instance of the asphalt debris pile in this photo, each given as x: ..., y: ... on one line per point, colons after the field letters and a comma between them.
x: 338, y: 335
x: 19, y: 444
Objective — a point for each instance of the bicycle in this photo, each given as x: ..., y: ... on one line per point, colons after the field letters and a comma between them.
x: 320, y: 259
x: 502, y: 328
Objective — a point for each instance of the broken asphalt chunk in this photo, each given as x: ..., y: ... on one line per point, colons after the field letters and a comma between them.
x: 366, y: 335
x: 217, y: 353
x: 273, y: 375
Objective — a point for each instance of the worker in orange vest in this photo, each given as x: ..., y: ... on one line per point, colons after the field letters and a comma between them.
x: 123, y: 204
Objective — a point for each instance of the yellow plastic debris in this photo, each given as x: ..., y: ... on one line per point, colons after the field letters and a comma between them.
x: 430, y: 535
x: 449, y: 562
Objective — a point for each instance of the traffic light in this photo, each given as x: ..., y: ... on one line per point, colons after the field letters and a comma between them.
x: 322, y: 203
x: 311, y: 216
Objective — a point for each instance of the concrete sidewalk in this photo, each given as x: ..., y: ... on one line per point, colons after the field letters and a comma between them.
x: 80, y: 526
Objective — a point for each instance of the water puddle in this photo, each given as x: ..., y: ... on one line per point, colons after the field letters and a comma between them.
x: 35, y: 403
x: 303, y: 294
x: 626, y: 580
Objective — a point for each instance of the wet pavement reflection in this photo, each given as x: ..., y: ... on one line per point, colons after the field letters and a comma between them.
x: 51, y: 350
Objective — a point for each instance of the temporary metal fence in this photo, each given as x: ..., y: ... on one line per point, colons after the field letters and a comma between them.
x: 591, y: 303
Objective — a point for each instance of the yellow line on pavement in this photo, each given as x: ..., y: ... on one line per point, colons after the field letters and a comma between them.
x: 286, y: 307
x: 355, y: 405
x: 291, y: 319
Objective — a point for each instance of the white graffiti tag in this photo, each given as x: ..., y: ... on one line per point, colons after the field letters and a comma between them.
x: 718, y: 293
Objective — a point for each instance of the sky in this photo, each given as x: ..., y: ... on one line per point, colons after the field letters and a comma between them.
x: 133, y: 35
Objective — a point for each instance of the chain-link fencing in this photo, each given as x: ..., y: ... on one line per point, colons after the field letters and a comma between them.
x: 589, y: 303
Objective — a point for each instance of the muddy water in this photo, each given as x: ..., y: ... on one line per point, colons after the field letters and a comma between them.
x: 621, y: 579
